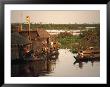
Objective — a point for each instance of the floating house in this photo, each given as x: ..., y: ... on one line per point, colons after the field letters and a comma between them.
x: 19, y: 45
x: 39, y: 37
x: 40, y: 41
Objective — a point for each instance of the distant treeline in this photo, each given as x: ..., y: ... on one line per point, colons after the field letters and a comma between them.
x: 57, y: 26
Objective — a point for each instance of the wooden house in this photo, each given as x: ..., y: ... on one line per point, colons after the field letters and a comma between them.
x: 19, y: 44
x: 39, y: 37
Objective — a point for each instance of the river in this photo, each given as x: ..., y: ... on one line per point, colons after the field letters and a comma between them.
x: 63, y: 66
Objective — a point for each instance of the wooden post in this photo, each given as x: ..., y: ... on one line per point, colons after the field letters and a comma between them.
x: 28, y: 22
x: 29, y: 32
x: 20, y: 28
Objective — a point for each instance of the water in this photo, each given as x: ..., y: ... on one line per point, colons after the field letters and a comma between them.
x: 72, y: 31
x: 63, y: 66
x: 55, y: 32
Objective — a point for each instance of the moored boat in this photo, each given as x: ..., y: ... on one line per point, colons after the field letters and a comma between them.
x: 88, y: 54
x: 86, y: 58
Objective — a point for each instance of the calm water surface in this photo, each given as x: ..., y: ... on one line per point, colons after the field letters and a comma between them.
x: 63, y: 66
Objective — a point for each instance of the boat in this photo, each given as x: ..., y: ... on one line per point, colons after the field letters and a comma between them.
x: 89, y: 54
x: 86, y: 58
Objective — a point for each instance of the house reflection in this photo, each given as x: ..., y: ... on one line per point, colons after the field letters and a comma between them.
x: 35, y: 68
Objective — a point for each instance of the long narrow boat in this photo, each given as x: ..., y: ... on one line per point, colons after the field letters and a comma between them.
x: 86, y: 58
x: 88, y: 54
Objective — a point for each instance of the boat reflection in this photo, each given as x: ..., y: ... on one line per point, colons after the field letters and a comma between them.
x: 81, y: 63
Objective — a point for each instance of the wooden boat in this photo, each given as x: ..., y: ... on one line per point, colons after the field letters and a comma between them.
x: 86, y: 58
x: 88, y: 55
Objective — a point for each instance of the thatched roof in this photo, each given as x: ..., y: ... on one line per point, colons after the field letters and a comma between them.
x: 42, y: 33
x: 39, y: 33
x: 18, y: 39
x: 37, y: 45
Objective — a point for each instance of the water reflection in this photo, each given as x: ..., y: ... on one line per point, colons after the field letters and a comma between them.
x: 62, y: 65
x: 81, y: 63
x: 35, y: 68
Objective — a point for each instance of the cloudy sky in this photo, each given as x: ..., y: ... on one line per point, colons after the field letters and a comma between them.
x: 56, y: 17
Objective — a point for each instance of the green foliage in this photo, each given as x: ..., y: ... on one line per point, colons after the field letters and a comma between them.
x: 65, y: 34
x: 86, y: 39
x: 73, y: 50
x: 90, y: 38
x: 67, y: 40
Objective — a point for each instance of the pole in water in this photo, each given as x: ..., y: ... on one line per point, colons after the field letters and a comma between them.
x: 28, y: 22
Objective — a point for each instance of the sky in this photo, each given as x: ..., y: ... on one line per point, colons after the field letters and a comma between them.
x: 56, y: 17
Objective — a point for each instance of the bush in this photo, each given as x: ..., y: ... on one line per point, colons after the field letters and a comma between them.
x: 64, y: 34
